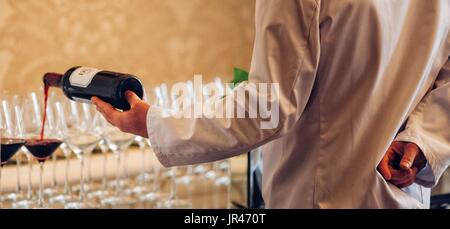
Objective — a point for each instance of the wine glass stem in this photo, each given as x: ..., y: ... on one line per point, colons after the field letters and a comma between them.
x: 30, y: 169
x: 81, y: 179
x: 105, y: 160
x: 156, y: 185
x: 173, y: 187
x: 66, y: 177
x: 41, y: 172
x: 190, y: 170
x: 54, y: 170
x: 143, y: 180
x: 216, y: 166
x: 124, y: 174
x: 89, y: 176
x: 18, y: 187
x: 118, y: 173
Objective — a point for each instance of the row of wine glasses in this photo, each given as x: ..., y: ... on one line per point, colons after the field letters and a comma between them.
x: 77, y: 129
x: 217, y: 172
x: 17, y: 131
x: 72, y: 127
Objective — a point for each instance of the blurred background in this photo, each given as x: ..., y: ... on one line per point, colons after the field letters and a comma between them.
x: 157, y: 40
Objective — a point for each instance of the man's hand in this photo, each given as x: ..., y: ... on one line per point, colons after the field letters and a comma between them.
x: 401, y: 163
x: 133, y: 121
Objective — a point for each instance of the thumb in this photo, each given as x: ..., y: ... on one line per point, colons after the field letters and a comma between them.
x: 409, y: 156
x: 132, y: 98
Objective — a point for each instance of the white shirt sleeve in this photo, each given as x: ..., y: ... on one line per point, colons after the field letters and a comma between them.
x: 286, y: 51
x: 428, y: 126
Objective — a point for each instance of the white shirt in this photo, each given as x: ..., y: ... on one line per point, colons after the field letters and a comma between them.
x: 351, y: 72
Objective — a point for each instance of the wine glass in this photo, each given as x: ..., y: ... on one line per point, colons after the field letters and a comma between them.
x: 143, y: 177
x: 9, y: 145
x: 152, y: 194
x: 42, y: 147
x: 219, y: 171
x: 118, y: 142
x: 53, y: 189
x: 88, y: 115
x: 88, y: 112
x: 140, y: 185
x: 7, y: 105
x: 82, y: 138
x: 161, y: 99
x: 187, y: 176
x: 63, y: 119
x: 67, y: 194
x: 198, y: 169
x: 164, y: 98
x: 29, y: 127
x: 173, y: 201
x: 103, y: 191
x: 155, y: 195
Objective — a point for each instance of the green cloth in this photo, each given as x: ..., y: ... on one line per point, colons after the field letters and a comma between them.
x: 239, y: 76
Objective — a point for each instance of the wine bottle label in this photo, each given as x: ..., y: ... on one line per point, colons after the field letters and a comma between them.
x: 83, y: 76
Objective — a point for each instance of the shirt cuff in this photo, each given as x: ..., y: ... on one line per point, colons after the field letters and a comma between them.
x: 154, y: 116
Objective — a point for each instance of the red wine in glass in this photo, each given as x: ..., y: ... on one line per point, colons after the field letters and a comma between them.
x: 42, y: 149
x: 9, y: 147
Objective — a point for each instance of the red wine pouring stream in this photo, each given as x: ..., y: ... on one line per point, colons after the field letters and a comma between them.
x: 46, y: 88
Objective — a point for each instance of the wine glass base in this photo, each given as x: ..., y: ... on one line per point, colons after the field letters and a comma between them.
x: 199, y: 169
x: 99, y: 194
x: 86, y: 188
x: 174, y: 204
x: 80, y: 205
x: 3, y: 203
x: 211, y: 175
x: 143, y: 178
x: 136, y: 191
x: 50, y: 192
x: 223, y: 181
x: 62, y: 199
x: 41, y: 206
x: 123, y: 183
x: 25, y: 204
x: 154, y: 197
x: 14, y: 197
x: 118, y: 202
x: 186, y: 179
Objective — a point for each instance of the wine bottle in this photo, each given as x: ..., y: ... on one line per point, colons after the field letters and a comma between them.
x: 82, y: 83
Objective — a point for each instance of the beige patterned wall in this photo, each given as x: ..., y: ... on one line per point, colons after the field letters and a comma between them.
x: 158, y: 40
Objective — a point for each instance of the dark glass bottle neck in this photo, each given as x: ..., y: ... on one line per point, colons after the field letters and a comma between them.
x: 53, y: 79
